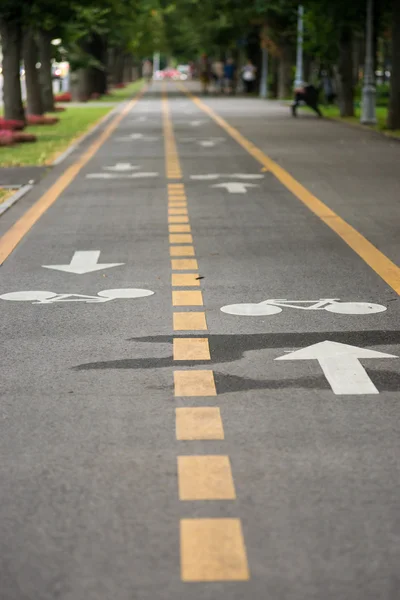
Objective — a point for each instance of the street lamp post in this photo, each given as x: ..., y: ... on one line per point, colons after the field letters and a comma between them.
x: 368, y: 112
x: 299, y: 58
x: 264, y: 64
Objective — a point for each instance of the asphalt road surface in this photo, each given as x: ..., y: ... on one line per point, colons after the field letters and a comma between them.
x: 152, y: 444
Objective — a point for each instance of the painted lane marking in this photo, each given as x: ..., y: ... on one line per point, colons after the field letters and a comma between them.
x: 213, y: 550
x: 42, y: 297
x: 189, y: 321
x: 185, y: 280
x: 121, y: 176
x: 122, y: 167
x: 187, y: 298
x: 194, y: 383
x: 83, y: 262
x: 374, y: 258
x: 205, y: 478
x: 181, y: 251
x: 136, y: 137
x: 197, y: 123
x: 212, y: 176
x: 15, y: 234
x: 176, y: 204
x: 341, y: 366
x: 235, y: 187
x: 184, y: 264
x: 179, y: 228
x: 333, y: 305
x: 198, y: 423
x: 180, y: 238
x: 191, y: 349
x: 173, y: 168
x: 178, y: 219
x: 177, y: 211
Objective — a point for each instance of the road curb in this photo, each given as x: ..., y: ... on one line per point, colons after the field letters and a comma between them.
x: 13, y: 199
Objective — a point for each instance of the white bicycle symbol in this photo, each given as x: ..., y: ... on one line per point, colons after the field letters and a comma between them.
x: 39, y: 297
x: 273, y: 307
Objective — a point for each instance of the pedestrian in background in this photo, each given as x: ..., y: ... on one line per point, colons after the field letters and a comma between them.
x: 249, y: 76
x: 218, y: 75
x: 309, y: 95
x: 205, y: 73
x: 229, y: 76
x: 147, y: 70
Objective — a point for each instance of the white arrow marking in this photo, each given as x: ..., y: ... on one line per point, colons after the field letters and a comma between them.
x: 83, y: 262
x: 235, y: 175
x: 207, y: 143
x: 122, y: 167
x: 121, y: 176
x: 341, y: 366
x: 196, y: 123
x: 235, y: 187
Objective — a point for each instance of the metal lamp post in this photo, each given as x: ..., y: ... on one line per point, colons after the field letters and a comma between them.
x: 264, y: 65
x: 368, y: 111
x: 298, y: 82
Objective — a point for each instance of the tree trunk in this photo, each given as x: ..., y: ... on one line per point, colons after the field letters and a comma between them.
x: 118, y: 68
x: 46, y: 79
x: 11, y: 39
x: 284, y: 72
x: 345, y: 73
x: 30, y: 55
x: 394, y: 102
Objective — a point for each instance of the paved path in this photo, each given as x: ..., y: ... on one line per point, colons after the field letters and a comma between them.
x: 152, y: 445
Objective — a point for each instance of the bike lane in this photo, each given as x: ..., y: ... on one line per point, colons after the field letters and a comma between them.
x: 88, y: 472
x: 312, y: 439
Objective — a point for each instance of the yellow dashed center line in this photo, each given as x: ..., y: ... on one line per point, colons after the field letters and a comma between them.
x: 211, y: 549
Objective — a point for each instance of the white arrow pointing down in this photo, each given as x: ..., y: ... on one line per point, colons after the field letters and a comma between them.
x: 341, y: 366
x: 83, y: 262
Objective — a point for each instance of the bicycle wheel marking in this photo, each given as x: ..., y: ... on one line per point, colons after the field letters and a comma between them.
x: 273, y: 307
x: 42, y: 297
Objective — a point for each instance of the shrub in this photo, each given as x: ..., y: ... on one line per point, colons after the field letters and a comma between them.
x: 11, y: 125
x: 41, y: 120
x: 23, y: 137
x: 6, y: 137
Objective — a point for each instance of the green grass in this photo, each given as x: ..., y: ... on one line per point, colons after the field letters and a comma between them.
x: 123, y: 94
x: 52, y: 139
x: 332, y: 112
x: 5, y: 193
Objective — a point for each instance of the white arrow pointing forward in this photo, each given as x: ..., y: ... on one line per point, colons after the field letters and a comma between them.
x: 235, y: 187
x: 83, y: 262
x: 122, y: 167
x: 341, y: 366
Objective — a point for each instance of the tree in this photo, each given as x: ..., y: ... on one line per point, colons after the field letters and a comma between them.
x: 394, y: 102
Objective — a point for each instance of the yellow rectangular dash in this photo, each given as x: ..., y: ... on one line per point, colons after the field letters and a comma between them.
x: 191, y: 349
x: 184, y: 264
x: 190, y: 321
x: 180, y: 238
x: 198, y: 423
x: 176, y: 186
x: 185, y: 280
x: 181, y: 251
x: 182, y: 210
x: 177, y: 194
x: 178, y: 219
x: 194, y: 383
x: 213, y: 550
x: 207, y: 477
x: 187, y: 298
x: 179, y: 228
x: 177, y: 202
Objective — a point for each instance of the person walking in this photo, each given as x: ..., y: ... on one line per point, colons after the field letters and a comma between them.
x: 205, y: 73
x: 249, y: 76
x: 147, y: 70
x: 218, y: 75
x: 309, y: 95
x: 229, y: 76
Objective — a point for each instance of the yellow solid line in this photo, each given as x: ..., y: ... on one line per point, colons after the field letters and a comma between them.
x: 213, y: 550
x: 180, y: 238
x: 198, y: 423
x: 194, y: 383
x: 15, y: 234
x: 185, y: 280
x: 184, y: 264
x: 206, y: 477
x: 181, y: 251
x: 381, y: 264
x: 178, y: 219
x: 179, y: 228
x: 173, y: 169
x: 189, y: 321
x: 187, y: 298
